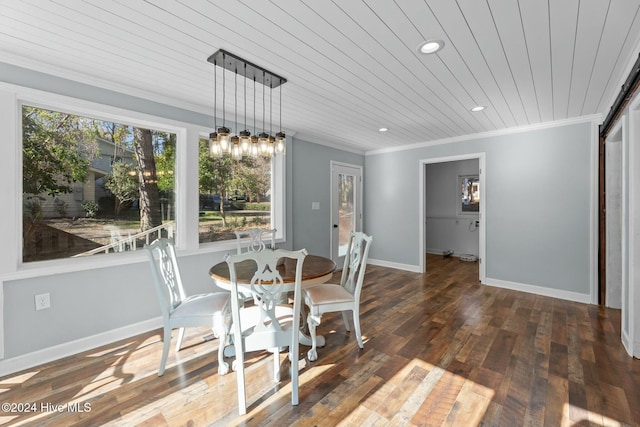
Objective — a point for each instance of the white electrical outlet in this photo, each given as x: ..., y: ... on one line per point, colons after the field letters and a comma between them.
x: 42, y: 301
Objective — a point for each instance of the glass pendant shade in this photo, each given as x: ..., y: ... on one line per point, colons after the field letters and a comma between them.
x: 280, y: 142
x: 223, y: 132
x: 271, y: 147
x: 245, y: 141
x: 214, y: 145
x: 236, y: 151
x: 254, y: 149
x: 214, y: 150
x: 224, y: 139
x: 263, y: 142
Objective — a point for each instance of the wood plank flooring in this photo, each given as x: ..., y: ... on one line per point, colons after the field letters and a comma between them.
x: 440, y: 350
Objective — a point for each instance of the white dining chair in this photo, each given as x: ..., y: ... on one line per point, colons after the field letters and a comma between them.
x: 178, y: 309
x: 266, y: 324
x: 345, y: 296
x: 258, y: 239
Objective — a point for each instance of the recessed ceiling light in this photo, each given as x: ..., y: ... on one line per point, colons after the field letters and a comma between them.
x: 478, y: 108
x: 383, y: 130
x: 430, y: 46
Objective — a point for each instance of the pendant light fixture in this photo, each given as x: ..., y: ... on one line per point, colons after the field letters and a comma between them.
x: 254, y: 151
x: 272, y: 140
x: 245, y: 135
x: 236, y: 152
x: 222, y: 141
x: 224, y: 132
x: 280, y: 136
x: 263, y: 137
x: 214, y: 145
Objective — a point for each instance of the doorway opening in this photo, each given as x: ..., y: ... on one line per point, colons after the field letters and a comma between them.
x: 459, y: 217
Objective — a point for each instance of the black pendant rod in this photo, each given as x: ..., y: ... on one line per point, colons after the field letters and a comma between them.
x: 233, y: 62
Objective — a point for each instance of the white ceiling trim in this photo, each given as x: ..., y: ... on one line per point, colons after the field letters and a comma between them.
x: 594, y: 118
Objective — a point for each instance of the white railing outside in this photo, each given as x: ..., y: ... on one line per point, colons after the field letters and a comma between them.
x: 130, y: 243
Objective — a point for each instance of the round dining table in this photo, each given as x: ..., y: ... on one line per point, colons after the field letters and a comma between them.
x: 316, y: 269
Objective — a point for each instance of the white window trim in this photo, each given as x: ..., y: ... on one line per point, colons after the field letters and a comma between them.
x: 278, y: 197
x: 12, y: 97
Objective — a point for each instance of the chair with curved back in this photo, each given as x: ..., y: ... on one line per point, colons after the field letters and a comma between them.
x: 259, y: 239
x: 327, y: 297
x: 180, y: 310
x: 266, y: 324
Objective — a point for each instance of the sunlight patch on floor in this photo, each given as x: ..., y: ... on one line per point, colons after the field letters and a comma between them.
x: 312, y: 372
x: 431, y: 394
x: 18, y: 379
x: 573, y: 415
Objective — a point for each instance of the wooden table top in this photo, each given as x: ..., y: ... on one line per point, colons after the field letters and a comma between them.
x: 316, y: 269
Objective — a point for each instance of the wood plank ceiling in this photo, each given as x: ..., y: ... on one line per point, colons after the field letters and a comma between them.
x: 352, y: 66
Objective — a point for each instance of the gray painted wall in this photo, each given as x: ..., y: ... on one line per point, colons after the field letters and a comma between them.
x: 48, y: 83
x: 90, y: 302
x: 312, y: 171
x: 538, y: 205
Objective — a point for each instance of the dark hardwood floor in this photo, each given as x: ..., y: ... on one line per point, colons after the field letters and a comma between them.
x: 440, y: 349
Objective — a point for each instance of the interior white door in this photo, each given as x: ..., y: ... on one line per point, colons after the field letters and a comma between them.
x: 346, y: 207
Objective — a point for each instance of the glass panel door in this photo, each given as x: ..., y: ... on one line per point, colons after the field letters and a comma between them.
x: 346, y: 207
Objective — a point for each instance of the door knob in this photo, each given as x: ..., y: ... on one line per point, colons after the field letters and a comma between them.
x: 335, y: 225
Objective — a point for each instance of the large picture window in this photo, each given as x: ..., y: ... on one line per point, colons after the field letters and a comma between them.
x: 93, y: 186
x: 234, y: 195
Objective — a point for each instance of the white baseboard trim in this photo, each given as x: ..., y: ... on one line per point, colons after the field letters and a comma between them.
x: 26, y: 361
x: 532, y: 289
x: 632, y: 348
x: 626, y: 342
x: 454, y: 254
x: 435, y: 251
x: 539, y: 290
x: 382, y: 263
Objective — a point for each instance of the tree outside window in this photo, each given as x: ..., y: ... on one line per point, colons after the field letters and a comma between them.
x: 234, y: 195
x: 92, y: 186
